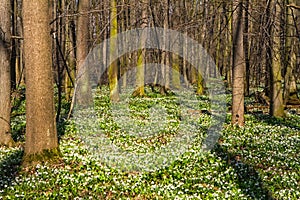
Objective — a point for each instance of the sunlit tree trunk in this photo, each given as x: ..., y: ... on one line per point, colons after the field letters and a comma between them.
x: 238, y: 65
x: 41, y: 135
x: 141, y: 54
x: 113, y: 68
x: 175, y: 58
x: 5, y: 85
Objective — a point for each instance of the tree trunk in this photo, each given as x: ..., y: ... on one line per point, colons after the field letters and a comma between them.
x: 5, y: 85
x: 141, y: 54
x: 276, y: 104
x: 174, y: 57
x: 41, y: 135
x: 238, y: 66
x: 113, y: 68
x: 290, y: 91
x: 166, y: 54
x: 82, y: 39
x: 246, y: 49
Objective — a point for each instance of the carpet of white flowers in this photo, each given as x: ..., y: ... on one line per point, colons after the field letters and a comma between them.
x: 259, y: 161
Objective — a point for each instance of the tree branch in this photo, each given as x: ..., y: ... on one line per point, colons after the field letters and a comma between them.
x: 293, y: 6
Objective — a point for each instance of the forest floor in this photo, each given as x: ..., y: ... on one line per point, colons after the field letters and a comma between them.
x: 258, y: 161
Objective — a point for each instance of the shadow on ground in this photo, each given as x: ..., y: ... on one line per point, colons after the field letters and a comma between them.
x: 9, y: 168
x: 249, y: 180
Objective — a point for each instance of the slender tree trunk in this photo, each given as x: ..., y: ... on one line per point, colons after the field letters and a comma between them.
x: 41, y: 135
x: 113, y: 69
x: 5, y: 85
x: 276, y: 104
x: 175, y: 58
x: 70, y: 46
x: 141, y: 54
x: 290, y: 92
x: 238, y: 65
x: 20, y: 70
x: 228, y: 49
x: 166, y: 57
x: 246, y: 49
x: 82, y: 50
x: 13, y: 44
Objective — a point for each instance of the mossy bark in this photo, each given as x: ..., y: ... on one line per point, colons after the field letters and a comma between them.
x: 141, y: 59
x: 46, y: 155
x: 113, y: 68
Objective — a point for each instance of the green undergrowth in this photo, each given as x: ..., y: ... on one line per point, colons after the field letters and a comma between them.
x: 259, y: 161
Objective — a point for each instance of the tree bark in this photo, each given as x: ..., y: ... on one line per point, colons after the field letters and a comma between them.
x: 290, y: 91
x: 276, y: 104
x: 113, y: 68
x: 82, y: 38
x: 5, y: 84
x: 41, y: 134
x: 141, y: 54
x: 238, y: 65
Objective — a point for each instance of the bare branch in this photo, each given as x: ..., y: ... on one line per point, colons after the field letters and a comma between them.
x: 293, y: 6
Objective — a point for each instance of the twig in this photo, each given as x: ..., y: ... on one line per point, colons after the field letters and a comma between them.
x: 17, y: 37
x: 293, y: 6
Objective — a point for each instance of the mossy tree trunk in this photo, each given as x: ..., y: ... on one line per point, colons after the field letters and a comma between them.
x: 276, y: 96
x: 41, y: 133
x: 5, y: 84
x: 113, y: 68
x: 141, y: 53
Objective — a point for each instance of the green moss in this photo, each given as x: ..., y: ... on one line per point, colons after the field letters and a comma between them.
x: 47, y: 155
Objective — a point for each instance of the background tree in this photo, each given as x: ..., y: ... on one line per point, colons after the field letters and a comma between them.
x: 113, y: 68
x: 82, y: 50
x: 271, y: 38
x: 41, y: 133
x: 141, y: 54
x: 5, y: 84
x: 276, y: 93
x: 290, y: 59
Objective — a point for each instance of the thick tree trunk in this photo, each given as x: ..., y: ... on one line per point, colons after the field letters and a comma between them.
x: 5, y: 85
x: 238, y: 66
x: 41, y: 135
